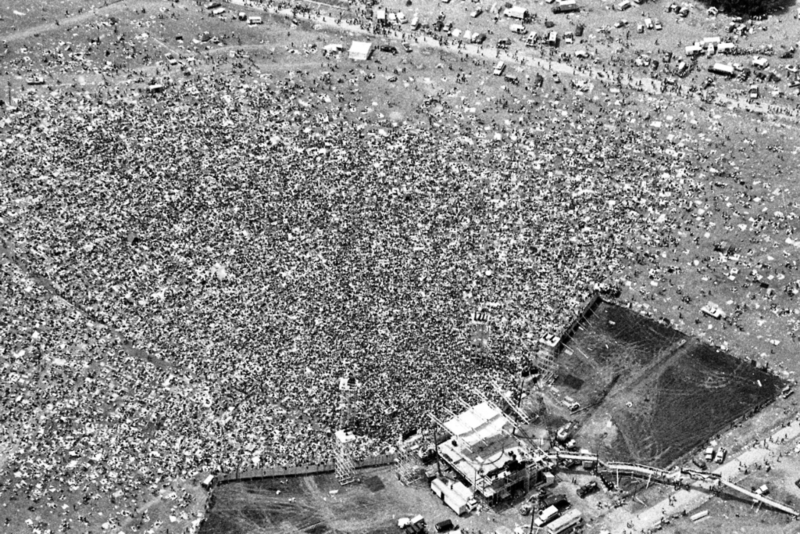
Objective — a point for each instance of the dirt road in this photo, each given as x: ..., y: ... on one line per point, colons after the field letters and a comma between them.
x: 525, y: 58
x: 618, y: 521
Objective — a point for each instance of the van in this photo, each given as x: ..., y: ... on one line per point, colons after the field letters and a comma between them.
x: 649, y: 23
x: 254, y: 20
x: 499, y: 68
x: 625, y: 4
x: 518, y: 28
x: 552, y: 39
x: 709, y: 454
x: 242, y: 15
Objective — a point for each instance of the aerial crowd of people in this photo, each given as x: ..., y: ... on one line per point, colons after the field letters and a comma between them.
x: 187, y: 276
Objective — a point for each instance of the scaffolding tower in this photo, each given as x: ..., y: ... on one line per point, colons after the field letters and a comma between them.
x: 343, y: 440
x: 345, y: 468
x: 546, y: 357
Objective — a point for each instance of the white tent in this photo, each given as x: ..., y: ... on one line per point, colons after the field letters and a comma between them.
x: 360, y: 51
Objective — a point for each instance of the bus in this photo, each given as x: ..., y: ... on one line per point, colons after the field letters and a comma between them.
x: 566, y: 522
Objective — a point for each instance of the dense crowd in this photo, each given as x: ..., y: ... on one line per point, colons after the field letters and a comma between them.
x: 194, y: 272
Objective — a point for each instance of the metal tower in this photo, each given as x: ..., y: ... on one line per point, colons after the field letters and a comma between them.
x: 343, y: 440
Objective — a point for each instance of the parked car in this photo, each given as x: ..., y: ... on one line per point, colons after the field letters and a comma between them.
x: 587, y: 489
x: 445, y: 526
x: 700, y: 464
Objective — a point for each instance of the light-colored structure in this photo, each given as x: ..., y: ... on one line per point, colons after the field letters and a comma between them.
x: 487, y: 454
x: 345, y: 469
x: 360, y: 51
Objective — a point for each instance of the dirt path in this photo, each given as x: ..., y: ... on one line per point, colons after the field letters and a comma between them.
x: 699, y: 492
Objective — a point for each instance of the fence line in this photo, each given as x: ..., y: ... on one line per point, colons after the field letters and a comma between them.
x: 281, y: 472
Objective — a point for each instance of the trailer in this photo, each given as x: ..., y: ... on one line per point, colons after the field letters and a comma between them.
x: 450, y: 496
x: 722, y: 69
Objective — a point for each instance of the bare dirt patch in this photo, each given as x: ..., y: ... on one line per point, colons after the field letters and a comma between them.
x: 653, y: 394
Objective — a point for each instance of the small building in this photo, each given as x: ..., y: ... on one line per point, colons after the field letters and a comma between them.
x: 360, y: 51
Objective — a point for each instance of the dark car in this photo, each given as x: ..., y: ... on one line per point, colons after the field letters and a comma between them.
x: 503, y: 44
x: 445, y: 526
x: 388, y: 48
x: 700, y: 464
x: 587, y: 489
x: 553, y: 500
x: 479, y: 39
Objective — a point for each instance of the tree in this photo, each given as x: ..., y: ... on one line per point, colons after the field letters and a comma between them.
x: 743, y: 7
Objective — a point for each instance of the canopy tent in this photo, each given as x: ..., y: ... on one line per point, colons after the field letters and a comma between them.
x: 360, y: 51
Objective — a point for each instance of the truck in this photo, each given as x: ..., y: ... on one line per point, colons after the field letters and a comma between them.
x: 720, y: 456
